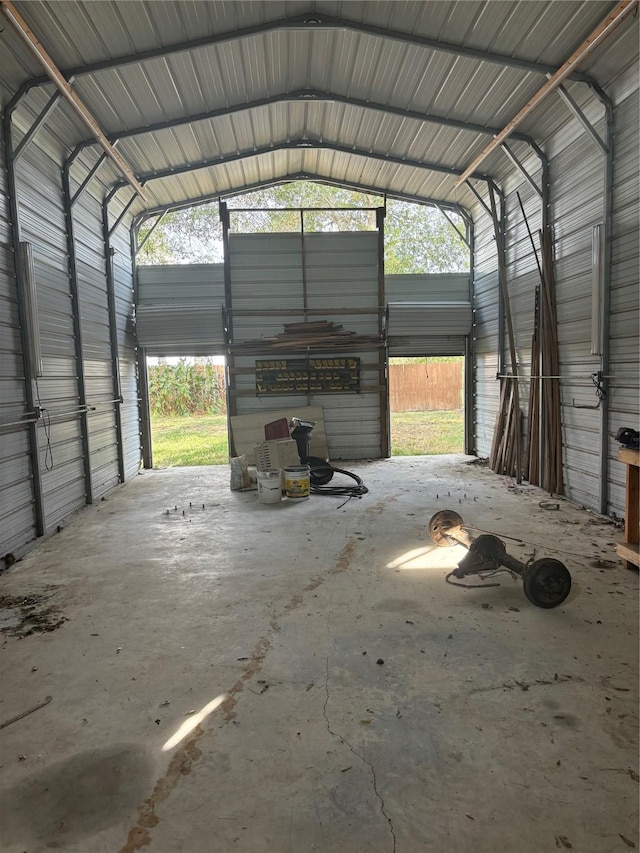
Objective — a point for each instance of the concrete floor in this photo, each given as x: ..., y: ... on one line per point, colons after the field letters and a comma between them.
x: 492, y: 726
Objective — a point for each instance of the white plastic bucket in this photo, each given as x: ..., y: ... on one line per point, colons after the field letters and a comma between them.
x: 296, y: 482
x: 269, y: 487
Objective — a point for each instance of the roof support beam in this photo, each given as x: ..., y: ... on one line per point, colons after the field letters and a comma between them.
x: 303, y: 176
x: 307, y: 96
x: 299, y: 145
x: 314, y: 22
x: 601, y: 32
x: 64, y: 87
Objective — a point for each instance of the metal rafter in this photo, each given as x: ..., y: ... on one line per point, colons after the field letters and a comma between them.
x: 306, y: 96
x: 315, y: 22
x: 594, y: 40
x: 62, y: 82
x: 299, y: 145
x: 233, y: 192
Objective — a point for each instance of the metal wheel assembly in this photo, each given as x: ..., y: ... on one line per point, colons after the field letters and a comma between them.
x: 440, y: 526
x: 547, y: 582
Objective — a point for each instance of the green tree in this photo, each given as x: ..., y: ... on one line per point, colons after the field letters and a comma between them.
x: 418, y: 238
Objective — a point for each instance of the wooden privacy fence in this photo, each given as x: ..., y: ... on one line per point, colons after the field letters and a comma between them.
x: 430, y: 386
x: 181, y: 389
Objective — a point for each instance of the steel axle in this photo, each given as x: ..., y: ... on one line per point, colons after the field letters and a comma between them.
x: 546, y: 582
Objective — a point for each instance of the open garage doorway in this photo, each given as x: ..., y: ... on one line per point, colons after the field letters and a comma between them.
x: 426, y: 403
x: 188, y: 412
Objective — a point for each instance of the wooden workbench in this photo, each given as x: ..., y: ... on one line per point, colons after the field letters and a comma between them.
x: 629, y: 550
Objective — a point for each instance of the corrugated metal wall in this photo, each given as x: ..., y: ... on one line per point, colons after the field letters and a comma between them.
x: 17, y: 516
x: 340, y: 272
x: 67, y: 430
x: 96, y: 343
x: 59, y: 432
x: 179, y: 309
x: 576, y: 174
x: 624, y: 394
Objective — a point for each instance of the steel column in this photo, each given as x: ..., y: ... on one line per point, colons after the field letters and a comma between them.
x: 383, y: 371
x: 606, y: 296
x: 469, y: 360
x: 113, y: 332
x: 77, y: 324
x: 14, y: 213
x: 144, y: 410
x: 228, y: 312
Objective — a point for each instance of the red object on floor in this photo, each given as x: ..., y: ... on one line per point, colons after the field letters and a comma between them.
x: 277, y: 429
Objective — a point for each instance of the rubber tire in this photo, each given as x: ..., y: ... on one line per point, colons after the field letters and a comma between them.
x: 536, y: 582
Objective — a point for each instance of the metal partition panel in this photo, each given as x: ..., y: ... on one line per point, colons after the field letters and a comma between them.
x: 428, y: 314
x: 430, y: 287
x: 282, y: 274
x: 179, y: 309
x: 59, y: 431
x: 17, y: 516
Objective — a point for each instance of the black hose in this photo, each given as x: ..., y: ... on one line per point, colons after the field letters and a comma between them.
x: 356, y: 491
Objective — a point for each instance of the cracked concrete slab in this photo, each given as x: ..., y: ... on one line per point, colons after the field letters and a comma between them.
x: 491, y: 725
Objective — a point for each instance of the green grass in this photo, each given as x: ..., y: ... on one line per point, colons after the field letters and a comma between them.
x: 427, y: 433
x: 202, y: 439
x: 189, y: 440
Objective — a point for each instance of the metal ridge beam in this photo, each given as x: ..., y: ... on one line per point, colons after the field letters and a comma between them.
x: 298, y: 145
x: 310, y: 22
x: 307, y: 96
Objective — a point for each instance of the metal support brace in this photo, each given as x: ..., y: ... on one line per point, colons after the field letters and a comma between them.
x: 519, y: 166
x: 462, y: 236
x: 584, y: 121
x: 138, y: 246
x: 39, y: 122
x: 124, y: 212
x: 486, y: 207
x: 113, y: 332
x: 90, y: 176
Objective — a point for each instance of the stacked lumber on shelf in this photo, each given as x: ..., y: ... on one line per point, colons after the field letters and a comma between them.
x: 316, y: 334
